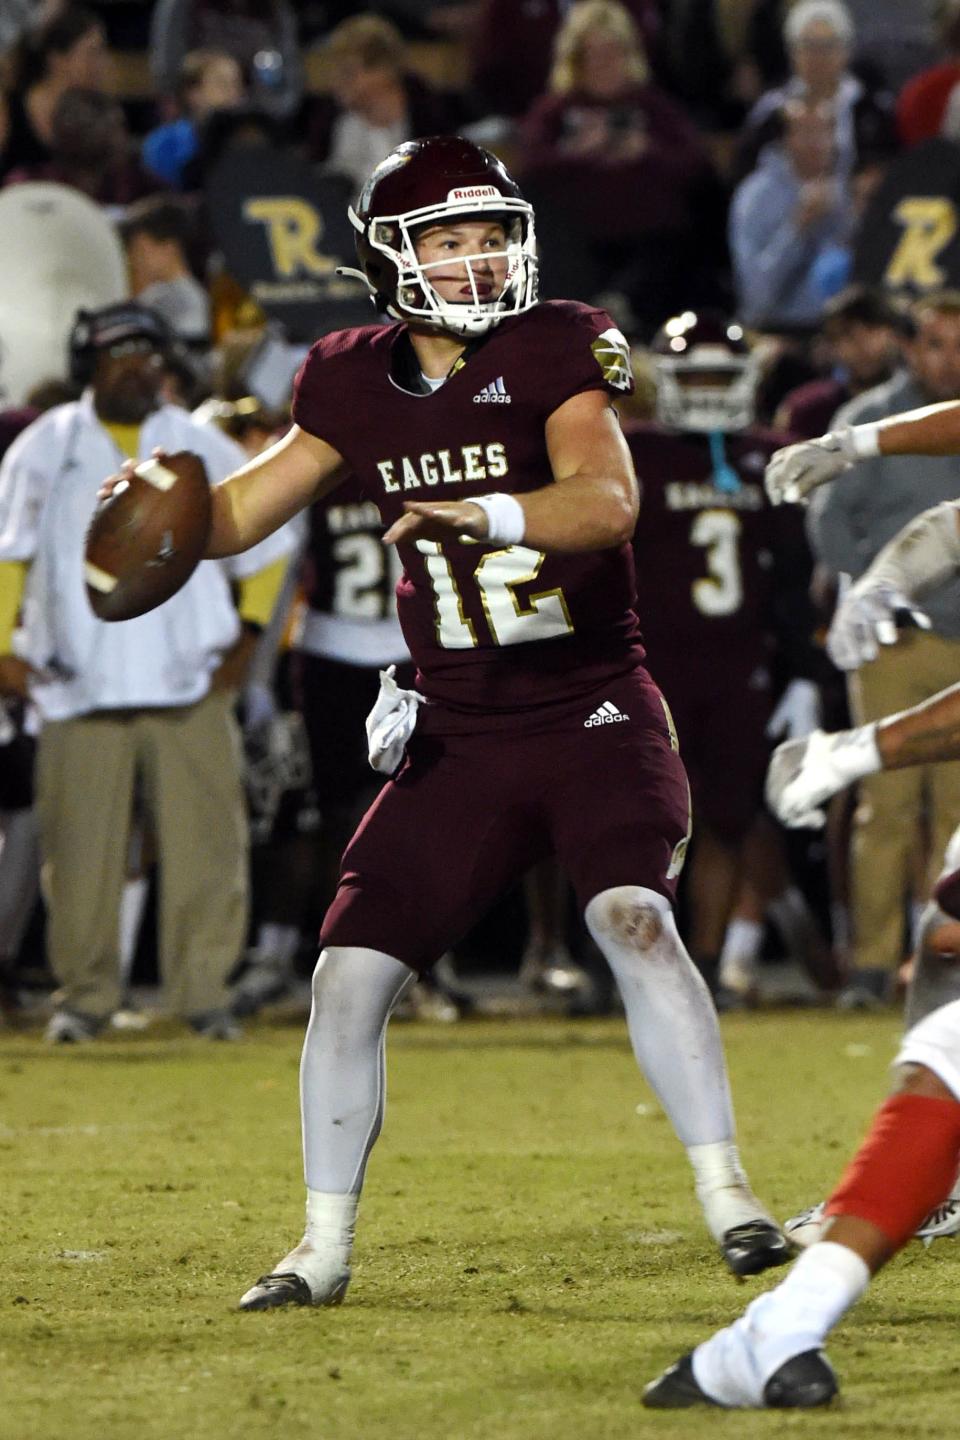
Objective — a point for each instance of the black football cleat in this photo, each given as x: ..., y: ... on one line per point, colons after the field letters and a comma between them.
x: 801, y: 1383
x: 676, y: 1388
x: 758, y: 1245
x: 272, y: 1291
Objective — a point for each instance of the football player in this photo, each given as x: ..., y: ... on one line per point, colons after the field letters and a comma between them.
x: 722, y: 581
x: 481, y: 423
x: 898, y: 1183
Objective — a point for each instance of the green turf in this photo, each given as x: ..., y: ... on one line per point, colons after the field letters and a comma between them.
x: 529, y: 1251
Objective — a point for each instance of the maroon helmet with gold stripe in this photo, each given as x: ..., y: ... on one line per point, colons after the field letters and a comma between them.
x: 428, y: 182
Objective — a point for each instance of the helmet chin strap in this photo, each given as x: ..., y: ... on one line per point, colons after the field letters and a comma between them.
x: 352, y: 274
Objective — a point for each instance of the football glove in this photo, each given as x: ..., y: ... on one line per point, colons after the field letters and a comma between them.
x: 804, y: 773
x: 797, y: 712
x: 390, y: 723
x: 794, y: 472
x: 867, y: 617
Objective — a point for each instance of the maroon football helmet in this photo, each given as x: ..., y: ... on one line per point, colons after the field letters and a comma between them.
x: 427, y: 182
x: 706, y: 374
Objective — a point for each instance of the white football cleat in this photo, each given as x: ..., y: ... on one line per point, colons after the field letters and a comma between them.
x: 806, y: 1228
x: 942, y: 1223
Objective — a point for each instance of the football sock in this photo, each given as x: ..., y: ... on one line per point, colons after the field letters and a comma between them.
x: 670, y: 1016
x: 904, y: 1168
x: 276, y: 945
x: 342, y: 1069
x: 323, y: 1256
x: 723, y: 1188
x: 740, y: 953
x: 734, y: 1365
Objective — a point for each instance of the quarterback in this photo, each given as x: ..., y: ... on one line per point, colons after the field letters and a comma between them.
x: 481, y: 423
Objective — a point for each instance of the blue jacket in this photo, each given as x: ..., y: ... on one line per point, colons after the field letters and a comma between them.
x: 775, y: 264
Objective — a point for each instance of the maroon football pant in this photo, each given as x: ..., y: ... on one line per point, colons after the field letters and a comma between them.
x: 469, y: 814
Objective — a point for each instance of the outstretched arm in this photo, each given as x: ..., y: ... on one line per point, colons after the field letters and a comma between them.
x: 804, y: 774
x: 592, y: 505
x: 922, y: 735
x: 797, y: 470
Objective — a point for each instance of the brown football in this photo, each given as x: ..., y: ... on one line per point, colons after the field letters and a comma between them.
x: 146, y: 540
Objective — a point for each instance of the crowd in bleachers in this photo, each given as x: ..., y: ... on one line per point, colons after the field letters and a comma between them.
x: 792, y: 165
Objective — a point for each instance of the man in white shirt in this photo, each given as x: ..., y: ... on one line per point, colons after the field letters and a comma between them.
x: 148, y: 702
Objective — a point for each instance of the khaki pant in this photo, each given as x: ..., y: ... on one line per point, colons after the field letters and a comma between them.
x: 188, y: 763
x: 900, y: 811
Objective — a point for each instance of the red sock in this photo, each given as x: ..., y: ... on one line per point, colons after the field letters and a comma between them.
x: 904, y: 1168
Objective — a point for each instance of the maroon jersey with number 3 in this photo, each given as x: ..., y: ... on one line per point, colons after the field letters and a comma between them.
x: 496, y: 630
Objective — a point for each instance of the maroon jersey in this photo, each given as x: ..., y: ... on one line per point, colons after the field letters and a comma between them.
x: 720, y: 572
x: 491, y: 629
x: 348, y: 572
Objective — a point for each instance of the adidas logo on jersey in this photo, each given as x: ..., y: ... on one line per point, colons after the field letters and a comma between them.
x: 605, y: 714
x: 493, y: 394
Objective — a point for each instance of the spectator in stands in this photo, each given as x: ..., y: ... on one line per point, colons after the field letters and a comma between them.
x: 617, y: 172
x: 850, y: 522
x: 376, y: 102
x: 796, y: 206
x: 863, y: 331
x: 208, y: 80
x: 819, y: 36
x: 261, y: 35
x: 91, y: 150
x: 922, y: 103
x: 513, y: 45
x: 67, y: 50
x: 157, y: 233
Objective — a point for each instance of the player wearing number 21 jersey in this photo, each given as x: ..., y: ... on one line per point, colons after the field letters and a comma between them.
x: 481, y: 425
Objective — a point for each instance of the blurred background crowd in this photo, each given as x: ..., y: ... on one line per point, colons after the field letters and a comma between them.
x: 762, y: 193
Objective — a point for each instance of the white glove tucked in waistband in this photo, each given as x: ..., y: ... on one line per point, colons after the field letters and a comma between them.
x: 390, y: 723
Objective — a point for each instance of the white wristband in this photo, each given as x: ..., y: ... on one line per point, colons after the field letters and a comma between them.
x: 506, y: 521
x: 860, y: 442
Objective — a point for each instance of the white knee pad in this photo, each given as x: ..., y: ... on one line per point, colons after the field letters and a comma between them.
x: 935, y: 1042
x: 631, y: 917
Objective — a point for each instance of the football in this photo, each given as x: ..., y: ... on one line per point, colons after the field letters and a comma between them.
x: 147, y: 538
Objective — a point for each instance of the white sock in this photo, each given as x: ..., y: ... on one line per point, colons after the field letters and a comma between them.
x: 276, y: 944
x: 734, y: 1365
x: 723, y: 1188
x: 323, y: 1256
x: 740, y: 953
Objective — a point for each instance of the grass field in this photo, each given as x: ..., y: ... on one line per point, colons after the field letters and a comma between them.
x: 529, y: 1253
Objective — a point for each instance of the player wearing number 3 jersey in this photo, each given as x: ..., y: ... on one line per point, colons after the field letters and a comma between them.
x: 481, y: 425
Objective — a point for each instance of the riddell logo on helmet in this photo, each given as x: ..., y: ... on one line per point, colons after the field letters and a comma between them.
x: 475, y: 192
